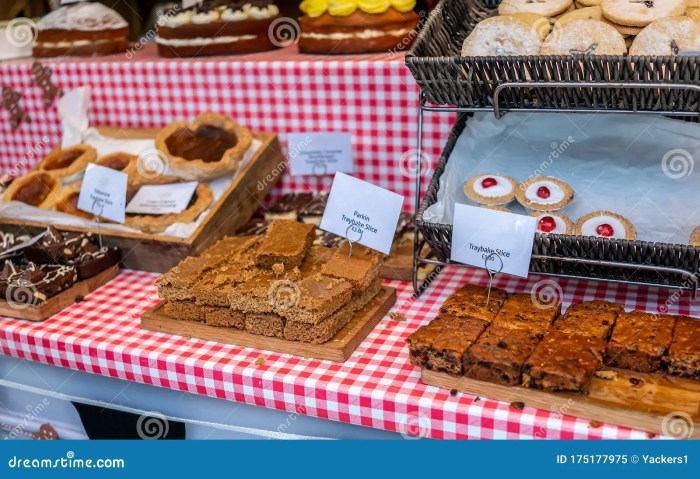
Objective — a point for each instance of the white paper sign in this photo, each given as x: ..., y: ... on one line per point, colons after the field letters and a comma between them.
x: 320, y: 153
x: 506, y: 238
x: 362, y: 212
x: 162, y: 199
x: 103, y: 192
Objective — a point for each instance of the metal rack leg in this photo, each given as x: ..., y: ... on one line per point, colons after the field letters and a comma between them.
x: 418, y: 173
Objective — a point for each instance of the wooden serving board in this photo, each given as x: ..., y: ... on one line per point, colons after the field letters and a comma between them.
x: 158, y: 253
x: 659, y: 404
x: 62, y: 300
x: 340, y: 348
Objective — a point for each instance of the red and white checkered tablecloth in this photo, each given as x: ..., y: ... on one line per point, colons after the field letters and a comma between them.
x: 374, y: 97
x: 376, y: 387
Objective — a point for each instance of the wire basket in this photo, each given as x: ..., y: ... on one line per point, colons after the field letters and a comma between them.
x: 667, y: 84
x: 618, y: 260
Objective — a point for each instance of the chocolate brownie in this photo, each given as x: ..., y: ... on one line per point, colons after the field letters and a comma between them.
x: 314, y: 209
x: 563, y: 362
x: 10, y: 271
x: 639, y: 341
x: 470, y: 302
x: 254, y: 227
x: 288, y: 206
x: 184, y: 310
x: 684, y: 354
x: 286, y: 242
x: 519, y: 312
x: 361, y: 268
x: 265, y: 324
x: 93, y: 262
x: 57, y: 247
x: 9, y: 241
x: 224, y: 317
x: 37, y: 283
x: 499, y: 355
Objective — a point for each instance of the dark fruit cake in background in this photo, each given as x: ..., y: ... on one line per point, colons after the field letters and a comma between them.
x: 81, y: 29
x: 218, y: 28
x: 330, y: 27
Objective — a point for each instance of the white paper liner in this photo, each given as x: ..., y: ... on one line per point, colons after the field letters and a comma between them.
x: 639, y: 166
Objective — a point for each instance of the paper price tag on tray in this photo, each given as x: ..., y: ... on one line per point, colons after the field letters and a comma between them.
x: 103, y: 193
x: 503, y: 241
x: 320, y: 153
x: 362, y: 212
x: 162, y: 199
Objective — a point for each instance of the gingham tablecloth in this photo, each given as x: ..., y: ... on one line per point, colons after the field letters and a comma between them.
x: 374, y: 97
x: 376, y: 387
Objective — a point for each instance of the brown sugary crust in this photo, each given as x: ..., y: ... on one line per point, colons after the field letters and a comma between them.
x: 469, y: 302
x: 355, y: 23
x: 203, y: 198
x: 563, y: 362
x: 639, y: 341
x: 499, y: 200
x: 684, y: 354
x: 695, y: 237
x: 286, y: 242
x: 521, y: 312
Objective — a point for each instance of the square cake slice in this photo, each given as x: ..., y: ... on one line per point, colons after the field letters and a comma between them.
x: 639, y: 341
x: 314, y: 298
x: 285, y: 242
x: 499, y: 355
x: 470, y: 302
x: 563, y: 362
x: 684, y: 354
x: 594, y: 323
x: 520, y: 312
x: 360, y: 268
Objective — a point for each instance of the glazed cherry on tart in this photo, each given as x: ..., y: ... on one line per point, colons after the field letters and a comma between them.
x: 605, y: 224
x: 550, y: 222
x: 544, y: 193
x: 490, y: 189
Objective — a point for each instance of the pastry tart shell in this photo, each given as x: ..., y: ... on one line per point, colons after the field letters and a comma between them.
x: 38, y: 188
x: 57, y: 164
x: 159, y: 223
x: 198, y: 169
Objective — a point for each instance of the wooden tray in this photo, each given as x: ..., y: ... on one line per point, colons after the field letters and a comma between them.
x: 340, y: 348
x: 62, y: 300
x: 157, y: 253
x: 659, y: 404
